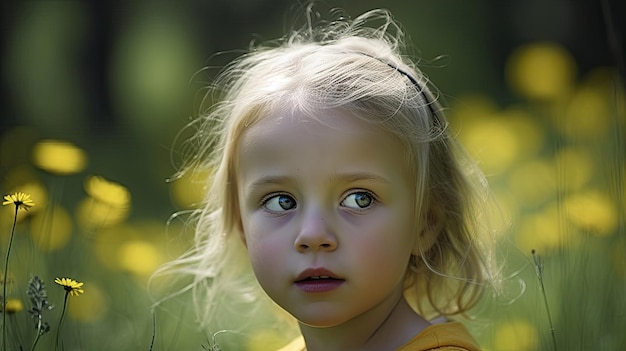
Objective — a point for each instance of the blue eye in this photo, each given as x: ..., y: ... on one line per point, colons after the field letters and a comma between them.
x: 358, y: 200
x: 280, y: 203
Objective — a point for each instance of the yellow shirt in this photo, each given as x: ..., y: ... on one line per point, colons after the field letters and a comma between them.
x: 449, y: 336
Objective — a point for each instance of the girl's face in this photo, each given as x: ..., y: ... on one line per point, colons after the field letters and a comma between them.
x: 326, y: 209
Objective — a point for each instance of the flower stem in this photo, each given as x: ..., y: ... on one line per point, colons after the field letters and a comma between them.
x: 39, y: 333
x: 4, y: 283
x: 36, y: 339
x: 56, y: 340
x: 539, y: 271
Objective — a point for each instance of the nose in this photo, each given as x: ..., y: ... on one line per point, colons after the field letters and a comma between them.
x: 315, y: 234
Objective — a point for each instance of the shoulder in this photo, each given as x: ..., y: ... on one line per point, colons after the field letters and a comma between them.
x: 449, y: 336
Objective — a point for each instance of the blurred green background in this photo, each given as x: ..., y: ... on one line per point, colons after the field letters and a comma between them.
x: 94, y: 94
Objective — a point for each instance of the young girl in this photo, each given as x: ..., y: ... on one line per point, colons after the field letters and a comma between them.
x: 337, y: 183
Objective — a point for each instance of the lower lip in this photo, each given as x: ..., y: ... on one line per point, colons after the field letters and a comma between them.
x: 319, y: 286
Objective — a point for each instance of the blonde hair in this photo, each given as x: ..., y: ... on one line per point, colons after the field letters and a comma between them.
x: 350, y: 65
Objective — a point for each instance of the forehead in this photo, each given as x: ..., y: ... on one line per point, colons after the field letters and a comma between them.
x: 331, y: 140
x: 319, y: 127
x: 329, y: 120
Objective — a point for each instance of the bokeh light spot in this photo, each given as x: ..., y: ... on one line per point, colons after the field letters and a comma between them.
x: 543, y: 231
x: 59, y: 157
x: 533, y: 182
x: 517, y: 335
x: 52, y: 229
x: 108, y: 241
x: 91, y: 305
x: 188, y: 190
x: 493, y: 143
x: 542, y: 70
x: 107, y: 192
x: 92, y: 214
x: 592, y: 211
x: 528, y: 132
x: 587, y: 115
x: 576, y: 167
x: 139, y: 257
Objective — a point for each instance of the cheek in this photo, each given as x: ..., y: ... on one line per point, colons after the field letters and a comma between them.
x: 390, y: 240
x: 263, y: 251
x: 266, y: 252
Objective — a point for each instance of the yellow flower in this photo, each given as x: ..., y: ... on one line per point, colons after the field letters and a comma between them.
x: 14, y: 306
x: 20, y: 200
x: 70, y: 285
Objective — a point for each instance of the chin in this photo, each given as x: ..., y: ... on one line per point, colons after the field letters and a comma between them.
x: 320, y: 320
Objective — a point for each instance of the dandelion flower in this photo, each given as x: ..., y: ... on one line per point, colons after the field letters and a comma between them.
x: 13, y: 306
x: 23, y: 201
x: 20, y: 200
x: 71, y: 286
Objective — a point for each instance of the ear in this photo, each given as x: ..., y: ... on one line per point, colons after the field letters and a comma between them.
x: 430, y: 231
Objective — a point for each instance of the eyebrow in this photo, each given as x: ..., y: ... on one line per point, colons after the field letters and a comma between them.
x: 268, y: 180
x: 347, y: 177
x: 360, y: 176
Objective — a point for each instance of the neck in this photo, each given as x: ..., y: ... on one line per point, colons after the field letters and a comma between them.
x: 385, y: 327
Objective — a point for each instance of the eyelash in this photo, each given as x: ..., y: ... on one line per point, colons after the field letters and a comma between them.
x: 374, y: 199
x: 268, y: 197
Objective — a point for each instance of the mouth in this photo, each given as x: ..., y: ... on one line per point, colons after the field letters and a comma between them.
x: 318, y: 280
x: 312, y: 274
x: 319, y: 277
